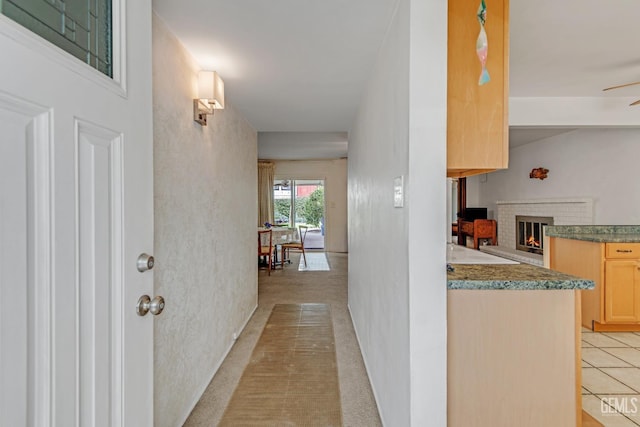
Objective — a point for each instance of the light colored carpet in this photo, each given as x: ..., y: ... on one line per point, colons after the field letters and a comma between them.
x: 292, y: 377
x: 316, y: 261
x: 289, y: 286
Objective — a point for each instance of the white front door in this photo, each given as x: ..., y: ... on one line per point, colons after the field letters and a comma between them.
x: 76, y: 211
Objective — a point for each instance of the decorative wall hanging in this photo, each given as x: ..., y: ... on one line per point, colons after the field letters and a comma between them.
x: 482, y: 44
x: 540, y: 173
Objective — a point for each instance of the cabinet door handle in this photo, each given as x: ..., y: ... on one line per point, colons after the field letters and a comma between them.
x: 624, y: 251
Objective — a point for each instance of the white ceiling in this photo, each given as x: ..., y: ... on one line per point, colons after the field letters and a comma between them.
x: 288, y: 65
x: 302, y: 145
x: 574, y: 47
x: 301, y: 66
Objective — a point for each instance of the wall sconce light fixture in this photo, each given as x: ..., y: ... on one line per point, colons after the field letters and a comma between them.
x: 210, y: 96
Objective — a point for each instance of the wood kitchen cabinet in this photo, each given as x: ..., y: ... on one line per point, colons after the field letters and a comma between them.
x: 622, y: 283
x: 614, y: 304
x: 477, y: 122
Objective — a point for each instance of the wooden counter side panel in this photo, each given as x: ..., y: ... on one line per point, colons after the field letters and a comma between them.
x: 578, y: 345
x: 511, y: 358
x: 586, y: 260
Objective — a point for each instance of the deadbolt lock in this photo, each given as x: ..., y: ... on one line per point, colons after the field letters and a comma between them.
x: 145, y: 262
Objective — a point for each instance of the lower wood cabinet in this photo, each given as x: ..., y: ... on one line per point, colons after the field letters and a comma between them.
x: 614, y: 303
x: 622, y: 291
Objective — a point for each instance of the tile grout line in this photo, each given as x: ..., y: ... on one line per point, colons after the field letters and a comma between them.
x: 631, y: 365
x: 617, y: 357
x: 608, y: 334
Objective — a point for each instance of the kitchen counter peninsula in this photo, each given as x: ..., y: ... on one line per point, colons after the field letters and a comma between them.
x: 513, y: 345
x: 513, y: 277
x: 596, y: 233
x: 610, y: 256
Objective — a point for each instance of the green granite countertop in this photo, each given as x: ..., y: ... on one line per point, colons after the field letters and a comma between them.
x: 596, y: 233
x: 513, y: 277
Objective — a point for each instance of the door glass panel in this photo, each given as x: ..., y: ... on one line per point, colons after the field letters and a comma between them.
x: 282, y: 202
x: 301, y: 202
x: 80, y: 27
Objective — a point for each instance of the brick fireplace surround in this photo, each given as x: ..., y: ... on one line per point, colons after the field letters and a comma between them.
x: 573, y: 211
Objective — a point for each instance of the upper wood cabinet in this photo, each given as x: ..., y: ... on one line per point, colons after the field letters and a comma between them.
x: 477, y: 122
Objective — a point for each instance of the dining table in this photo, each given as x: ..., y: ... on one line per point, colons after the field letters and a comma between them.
x: 280, y: 235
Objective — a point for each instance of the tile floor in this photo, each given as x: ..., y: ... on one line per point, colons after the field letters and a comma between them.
x: 316, y: 261
x: 611, y: 377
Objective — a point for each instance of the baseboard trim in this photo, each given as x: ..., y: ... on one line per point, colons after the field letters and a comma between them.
x: 619, y: 327
x: 217, y: 368
x: 366, y: 368
x: 589, y: 421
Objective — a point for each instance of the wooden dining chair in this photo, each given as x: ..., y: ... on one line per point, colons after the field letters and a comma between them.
x: 298, y: 246
x: 265, y: 248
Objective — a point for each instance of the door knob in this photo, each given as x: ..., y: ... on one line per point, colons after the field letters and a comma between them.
x: 145, y: 262
x: 146, y: 304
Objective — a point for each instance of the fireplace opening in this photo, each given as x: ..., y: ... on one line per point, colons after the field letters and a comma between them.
x: 529, y: 233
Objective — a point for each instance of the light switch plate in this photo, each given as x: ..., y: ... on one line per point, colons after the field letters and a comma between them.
x: 398, y: 191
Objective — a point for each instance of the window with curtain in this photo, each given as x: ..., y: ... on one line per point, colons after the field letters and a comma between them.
x: 265, y: 192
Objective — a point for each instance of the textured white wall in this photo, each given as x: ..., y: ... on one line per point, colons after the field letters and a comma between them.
x: 473, y: 192
x: 334, y: 172
x: 428, y: 221
x: 378, y: 232
x: 397, y: 278
x: 205, y: 216
x: 592, y: 163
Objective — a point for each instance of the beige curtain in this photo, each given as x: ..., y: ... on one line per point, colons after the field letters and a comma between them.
x: 265, y: 192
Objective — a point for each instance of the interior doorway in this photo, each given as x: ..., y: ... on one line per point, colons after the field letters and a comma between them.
x: 301, y: 202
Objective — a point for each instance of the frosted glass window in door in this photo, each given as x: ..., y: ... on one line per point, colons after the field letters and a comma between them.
x: 80, y: 27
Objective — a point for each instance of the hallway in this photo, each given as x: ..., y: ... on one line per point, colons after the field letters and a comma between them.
x: 291, y: 286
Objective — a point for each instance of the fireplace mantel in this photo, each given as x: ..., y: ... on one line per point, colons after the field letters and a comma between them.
x: 567, y: 211
x: 564, y: 211
x: 546, y: 201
